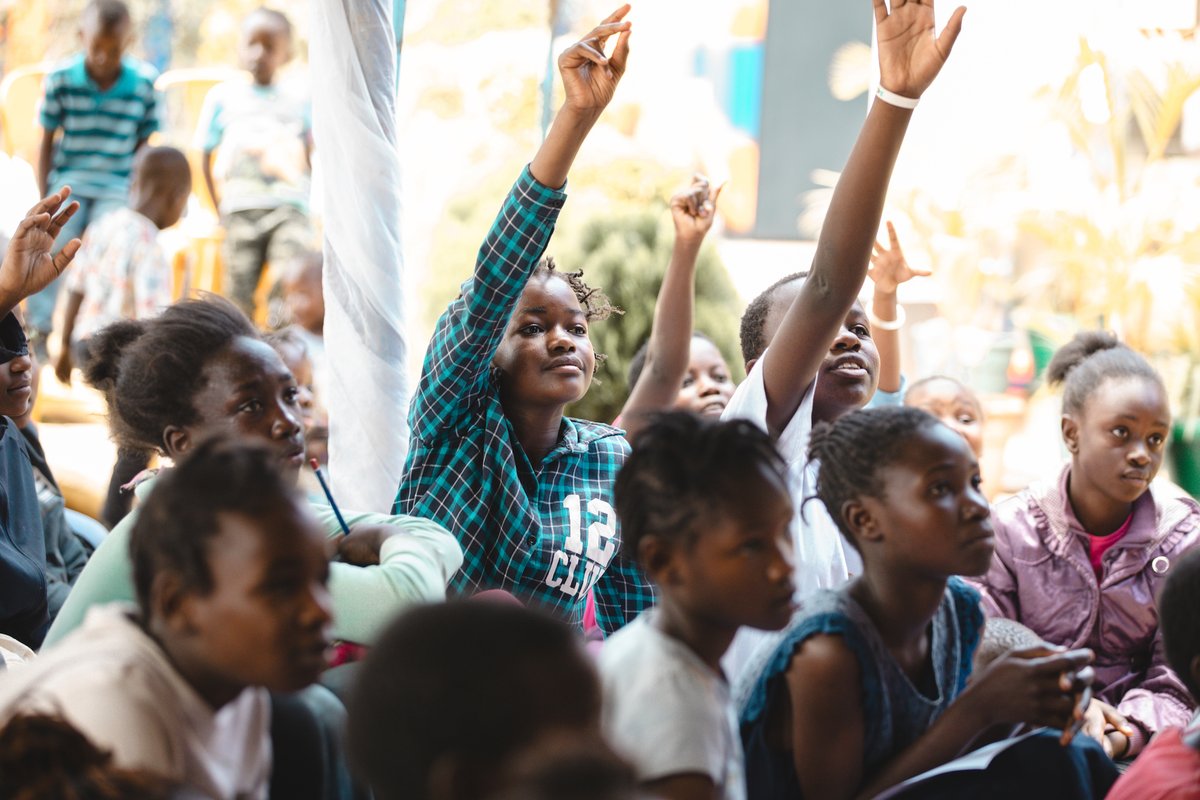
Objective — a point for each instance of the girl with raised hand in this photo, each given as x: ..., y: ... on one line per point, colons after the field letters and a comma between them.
x: 527, y: 490
x: 679, y: 367
x: 202, y: 368
x: 1080, y: 560
x: 868, y: 686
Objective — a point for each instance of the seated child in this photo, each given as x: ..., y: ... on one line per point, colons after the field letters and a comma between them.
x: 452, y: 695
x: 528, y: 491
x: 44, y: 757
x: 201, y: 368
x: 231, y: 572
x: 869, y: 685
x: 66, y: 553
x: 705, y: 507
x: 1078, y: 560
x: 679, y: 367
x: 304, y: 300
x: 823, y: 360
x: 1169, y: 769
x: 260, y: 133
x: 24, y: 603
x: 952, y: 402
x: 28, y: 267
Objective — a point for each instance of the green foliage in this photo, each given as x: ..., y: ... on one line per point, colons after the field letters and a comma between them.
x: 626, y: 254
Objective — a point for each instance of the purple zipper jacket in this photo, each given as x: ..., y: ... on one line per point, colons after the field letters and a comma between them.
x: 1041, y: 576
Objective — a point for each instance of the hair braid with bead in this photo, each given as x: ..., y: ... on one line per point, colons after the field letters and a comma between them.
x: 853, y: 451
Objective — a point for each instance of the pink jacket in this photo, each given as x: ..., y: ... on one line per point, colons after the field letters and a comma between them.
x: 1041, y: 576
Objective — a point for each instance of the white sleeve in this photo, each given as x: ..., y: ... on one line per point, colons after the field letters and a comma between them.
x: 669, y: 726
x: 749, y: 402
x: 414, y: 567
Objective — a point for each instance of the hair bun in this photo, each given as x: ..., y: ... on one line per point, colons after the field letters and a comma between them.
x: 104, y: 352
x: 1075, y: 352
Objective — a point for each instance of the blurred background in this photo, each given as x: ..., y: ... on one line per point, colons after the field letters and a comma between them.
x: 1051, y: 178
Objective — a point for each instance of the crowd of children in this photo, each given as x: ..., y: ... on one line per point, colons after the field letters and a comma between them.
x: 797, y: 586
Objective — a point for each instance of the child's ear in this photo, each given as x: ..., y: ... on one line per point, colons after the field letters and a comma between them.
x: 1070, y: 433
x: 861, y: 522
x: 177, y: 440
x: 169, y: 603
x: 656, y: 556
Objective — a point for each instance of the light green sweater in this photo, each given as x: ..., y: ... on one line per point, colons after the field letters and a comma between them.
x: 414, y: 567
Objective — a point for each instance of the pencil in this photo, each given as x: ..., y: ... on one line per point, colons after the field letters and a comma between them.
x: 329, y: 495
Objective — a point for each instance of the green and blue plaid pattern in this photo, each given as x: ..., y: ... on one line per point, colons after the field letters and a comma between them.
x: 546, y: 533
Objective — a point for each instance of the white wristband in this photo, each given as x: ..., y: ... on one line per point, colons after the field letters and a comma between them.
x: 889, y: 324
x: 898, y: 100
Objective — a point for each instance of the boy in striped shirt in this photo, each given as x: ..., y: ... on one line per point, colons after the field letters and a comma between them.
x: 99, y: 108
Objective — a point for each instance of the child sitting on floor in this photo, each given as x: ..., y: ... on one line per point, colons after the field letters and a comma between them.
x: 231, y: 572
x: 1169, y: 769
x: 704, y: 506
x: 453, y: 694
x: 868, y: 685
x: 527, y: 490
x: 1079, y: 560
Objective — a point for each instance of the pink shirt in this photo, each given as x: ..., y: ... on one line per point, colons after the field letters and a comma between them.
x: 1099, y: 545
x: 1168, y: 770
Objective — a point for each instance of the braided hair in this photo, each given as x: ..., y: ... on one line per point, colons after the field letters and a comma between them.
x: 752, y: 331
x: 1091, y: 358
x: 594, y: 302
x: 853, y: 451
x: 683, y: 470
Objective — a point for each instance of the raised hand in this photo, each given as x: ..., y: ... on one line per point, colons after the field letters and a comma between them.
x: 589, y: 77
x: 889, y: 268
x: 29, y: 265
x: 694, y: 209
x: 911, y: 53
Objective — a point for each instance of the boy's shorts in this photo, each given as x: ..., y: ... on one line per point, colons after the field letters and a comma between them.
x: 258, y: 236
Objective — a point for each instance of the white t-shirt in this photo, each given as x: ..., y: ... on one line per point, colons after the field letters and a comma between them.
x: 115, y: 685
x: 822, y: 557
x: 667, y: 711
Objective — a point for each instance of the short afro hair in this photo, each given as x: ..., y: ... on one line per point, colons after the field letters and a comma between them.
x: 473, y: 682
x: 752, y: 332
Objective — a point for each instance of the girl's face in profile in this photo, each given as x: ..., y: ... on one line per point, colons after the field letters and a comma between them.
x: 932, y: 517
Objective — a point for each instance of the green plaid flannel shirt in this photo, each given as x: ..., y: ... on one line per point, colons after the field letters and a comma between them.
x: 547, y: 533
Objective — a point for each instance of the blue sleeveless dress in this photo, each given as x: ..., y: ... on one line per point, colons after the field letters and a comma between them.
x: 895, y: 711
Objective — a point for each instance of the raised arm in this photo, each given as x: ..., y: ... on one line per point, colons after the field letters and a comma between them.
x: 888, y: 270
x: 669, y: 348
x: 29, y: 265
x: 458, y: 361
x: 910, y: 57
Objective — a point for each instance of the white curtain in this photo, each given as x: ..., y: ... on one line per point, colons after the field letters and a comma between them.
x: 352, y: 53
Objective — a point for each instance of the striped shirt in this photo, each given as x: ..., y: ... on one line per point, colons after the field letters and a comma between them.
x: 100, y: 130
x: 545, y: 532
